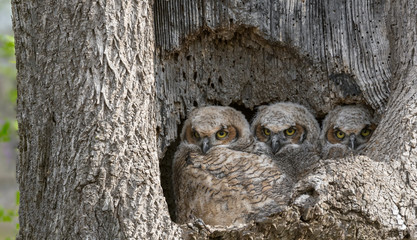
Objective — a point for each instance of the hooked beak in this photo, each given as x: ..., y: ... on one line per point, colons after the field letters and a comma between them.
x: 353, y: 142
x: 275, y: 143
x: 205, y: 145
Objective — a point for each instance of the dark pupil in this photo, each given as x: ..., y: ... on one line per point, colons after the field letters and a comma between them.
x: 290, y: 131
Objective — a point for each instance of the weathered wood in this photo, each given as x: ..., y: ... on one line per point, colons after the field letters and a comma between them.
x: 347, y: 37
x: 330, y: 204
x: 100, y: 100
x: 218, y: 51
x: 88, y: 165
x: 319, y: 54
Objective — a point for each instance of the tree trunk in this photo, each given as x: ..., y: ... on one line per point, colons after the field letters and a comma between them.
x: 319, y: 54
x: 101, y: 100
x: 88, y: 165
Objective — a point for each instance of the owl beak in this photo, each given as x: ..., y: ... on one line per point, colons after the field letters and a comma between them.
x: 275, y: 143
x: 353, y: 142
x: 205, y: 145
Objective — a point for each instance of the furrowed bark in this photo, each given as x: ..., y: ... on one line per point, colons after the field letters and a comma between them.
x: 103, y: 88
x: 88, y: 164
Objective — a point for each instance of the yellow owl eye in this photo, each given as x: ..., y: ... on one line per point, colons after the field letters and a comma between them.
x: 366, y: 132
x: 290, y: 131
x: 267, y: 132
x: 221, y: 134
x: 196, y: 135
x: 340, y: 134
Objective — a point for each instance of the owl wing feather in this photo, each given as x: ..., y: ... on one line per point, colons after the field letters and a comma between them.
x: 228, y: 187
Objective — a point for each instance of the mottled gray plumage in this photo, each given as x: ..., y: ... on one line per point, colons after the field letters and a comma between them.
x: 346, y: 129
x: 217, y: 179
x: 290, y: 135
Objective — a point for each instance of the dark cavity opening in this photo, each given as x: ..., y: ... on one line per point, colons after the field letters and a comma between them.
x: 165, y: 166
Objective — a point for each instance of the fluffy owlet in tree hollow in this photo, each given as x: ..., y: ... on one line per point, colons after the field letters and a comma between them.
x: 346, y: 129
x: 216, y: 178
x: 290, y: 134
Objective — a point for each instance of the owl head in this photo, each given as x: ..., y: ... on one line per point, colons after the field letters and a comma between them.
x: 285, y: 125
x: 346, y: 129
x: 216, y: 126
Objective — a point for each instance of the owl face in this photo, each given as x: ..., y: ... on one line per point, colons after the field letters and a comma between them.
x: 351, y: 126
x: 278, y: 137
x: 216, y: 126
x: 284, y: 125
x: 353, y: 138
x: 215, y: 136
x: 346, y: 129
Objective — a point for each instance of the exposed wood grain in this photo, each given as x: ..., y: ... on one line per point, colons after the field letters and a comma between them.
x: 320, y: 54
x: 99, y: 100
x: 347, y: 37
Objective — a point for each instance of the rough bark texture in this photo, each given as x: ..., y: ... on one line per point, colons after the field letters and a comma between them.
x: 99, y: 104
x: 88, y: 165
x: 319, y: 54
x: 254, y: 52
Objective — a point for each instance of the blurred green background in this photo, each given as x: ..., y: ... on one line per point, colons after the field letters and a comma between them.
x: 9, y: 195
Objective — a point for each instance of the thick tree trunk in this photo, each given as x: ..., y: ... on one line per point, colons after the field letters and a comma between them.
x: 98, y: 106
x: 88, y: 165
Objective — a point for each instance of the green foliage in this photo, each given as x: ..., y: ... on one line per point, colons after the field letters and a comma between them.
x: 17, y: 198
x: 11, y: 215
x: 8, y: 130
x: 7, y: 46
x: 8, y: 125
x: 6, y: 215
x: 13, y: 96
x: 4, y: 132
x: 7, y: 52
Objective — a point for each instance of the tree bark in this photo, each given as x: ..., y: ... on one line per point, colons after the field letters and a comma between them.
x: 104, y: 86
x: 88, y: 164
x: 320, y: 54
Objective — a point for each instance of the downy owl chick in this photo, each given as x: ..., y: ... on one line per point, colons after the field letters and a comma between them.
x: 291, y: 135
x: 346, y: 129
x: 216, y: 178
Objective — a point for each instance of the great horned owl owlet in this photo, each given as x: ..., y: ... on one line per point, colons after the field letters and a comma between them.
x: 346, y: 129
x: 291, y: 135
x: 216, y: 178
